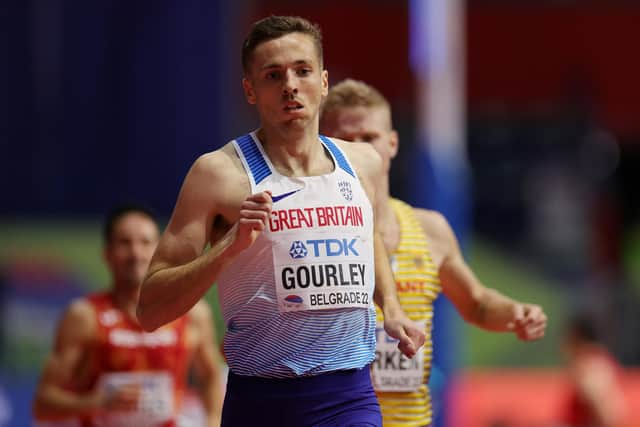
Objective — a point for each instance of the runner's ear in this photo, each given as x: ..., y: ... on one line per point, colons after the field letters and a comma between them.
x: 248, y: 91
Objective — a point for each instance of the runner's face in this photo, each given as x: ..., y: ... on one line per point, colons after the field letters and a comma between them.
x: 128, y: 253
x: 286, y: 82
x: 363, y: 124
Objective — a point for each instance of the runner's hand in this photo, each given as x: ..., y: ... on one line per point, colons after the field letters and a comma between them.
x: 254, y: 215
x: 529, y: 322
x: 410, y: 336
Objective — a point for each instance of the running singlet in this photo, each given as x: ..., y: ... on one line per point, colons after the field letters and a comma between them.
x: 299, y: 301
x: 155, y: 362
x: 400, y: 382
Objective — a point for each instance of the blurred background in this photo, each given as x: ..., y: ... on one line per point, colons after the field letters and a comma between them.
x: 518, y: 119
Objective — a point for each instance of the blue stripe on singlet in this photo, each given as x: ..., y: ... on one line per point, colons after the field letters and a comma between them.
x: 339, y: 156
x: 284, y: 345
x: 258, y: 166
x: 261, y: 341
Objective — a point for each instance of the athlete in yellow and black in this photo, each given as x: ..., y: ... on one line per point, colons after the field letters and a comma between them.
x: 426, y: 260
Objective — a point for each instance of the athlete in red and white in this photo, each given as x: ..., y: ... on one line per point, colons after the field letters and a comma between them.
x: 105, y: 370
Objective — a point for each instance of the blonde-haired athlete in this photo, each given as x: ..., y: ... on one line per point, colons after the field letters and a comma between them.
x: 425, y: 259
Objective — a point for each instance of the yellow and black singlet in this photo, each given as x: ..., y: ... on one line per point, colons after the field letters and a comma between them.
x: 401, y: 383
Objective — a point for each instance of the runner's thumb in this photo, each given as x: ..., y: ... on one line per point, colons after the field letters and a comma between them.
x: 406, y: 344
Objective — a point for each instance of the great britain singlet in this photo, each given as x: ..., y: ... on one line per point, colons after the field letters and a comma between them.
x: 124, y: 353
x: 299, y: 300
x: 400, y: 382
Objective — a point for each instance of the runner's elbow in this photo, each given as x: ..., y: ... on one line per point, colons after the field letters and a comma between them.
x: 147, y: 319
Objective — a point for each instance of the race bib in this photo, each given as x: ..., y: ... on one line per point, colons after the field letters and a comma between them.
x: 393, y: 371
x: 155, y: 404
x: 324, y: 272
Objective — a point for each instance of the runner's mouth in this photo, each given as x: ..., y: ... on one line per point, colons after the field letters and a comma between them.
x: 293, y: 107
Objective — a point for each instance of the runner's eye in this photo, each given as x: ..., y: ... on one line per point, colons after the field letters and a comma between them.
x: 369, y: 137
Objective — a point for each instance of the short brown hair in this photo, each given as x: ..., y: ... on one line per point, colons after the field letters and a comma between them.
x: 353, y: 93
x: 119, y: 212
x: 274, y: 27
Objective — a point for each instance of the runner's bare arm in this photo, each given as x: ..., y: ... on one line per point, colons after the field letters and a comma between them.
x: 208, y: 364
x: 369, y: 166
x: 53, y: 399
x: 180, y: 273
x: 476, y: 303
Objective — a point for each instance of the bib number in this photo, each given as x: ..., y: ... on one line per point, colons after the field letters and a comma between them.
x: 155, y: 399
x: 322, y: 273
x: 392, y: 370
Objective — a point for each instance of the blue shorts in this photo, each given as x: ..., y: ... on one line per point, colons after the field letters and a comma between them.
x: 336, y: 399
